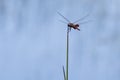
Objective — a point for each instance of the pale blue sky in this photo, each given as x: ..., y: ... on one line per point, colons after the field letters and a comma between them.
x: 33, y: 40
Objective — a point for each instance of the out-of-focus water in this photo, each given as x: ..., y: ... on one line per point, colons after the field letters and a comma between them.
x: 33, y: 40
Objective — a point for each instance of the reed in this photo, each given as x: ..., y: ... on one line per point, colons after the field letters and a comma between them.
x: 66, y: 76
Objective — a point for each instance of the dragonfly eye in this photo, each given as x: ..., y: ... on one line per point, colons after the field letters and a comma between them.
x: 69, y: 24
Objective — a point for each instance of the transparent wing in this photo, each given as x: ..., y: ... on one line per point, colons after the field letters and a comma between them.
x: 63, y: 17
x: 85, y: 22
x: 82, y: 18
x: 63, y: 22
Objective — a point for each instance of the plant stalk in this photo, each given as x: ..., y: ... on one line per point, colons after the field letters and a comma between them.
x: 67, y: 53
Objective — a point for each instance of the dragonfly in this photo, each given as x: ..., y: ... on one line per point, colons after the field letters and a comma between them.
x: 73, y: 25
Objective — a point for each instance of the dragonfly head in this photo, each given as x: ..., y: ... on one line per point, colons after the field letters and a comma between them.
x: 70, y: 24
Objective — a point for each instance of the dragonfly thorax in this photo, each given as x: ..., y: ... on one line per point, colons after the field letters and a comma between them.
x: 70, y: 25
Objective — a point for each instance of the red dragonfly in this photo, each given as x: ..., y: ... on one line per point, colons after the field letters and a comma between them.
x: 73, y: 25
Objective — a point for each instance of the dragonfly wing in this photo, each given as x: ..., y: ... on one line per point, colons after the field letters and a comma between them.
x: 63, y: 21
x: 85, y: 22
x: 63, y: 17
x: 81, y: 18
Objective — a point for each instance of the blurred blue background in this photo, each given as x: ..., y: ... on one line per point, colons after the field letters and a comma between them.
x: 33, y: 40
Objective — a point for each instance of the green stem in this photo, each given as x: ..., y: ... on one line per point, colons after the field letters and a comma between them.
x: 67, y: 54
